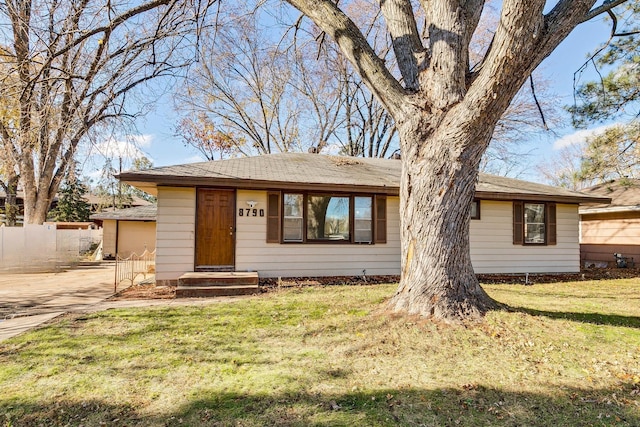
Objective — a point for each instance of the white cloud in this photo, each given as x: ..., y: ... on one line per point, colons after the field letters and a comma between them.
x: 128, y: 147
x: 194, y: 159
x: 580, y: 136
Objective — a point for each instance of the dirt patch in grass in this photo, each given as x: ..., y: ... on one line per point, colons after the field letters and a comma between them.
x: 145, y: 291
x: 327, y: 281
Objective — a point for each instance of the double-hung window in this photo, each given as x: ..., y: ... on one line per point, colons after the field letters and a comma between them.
x: 475, y: 209
x: 363, y: 219
x: 534, y: 223
x: 292, y: 224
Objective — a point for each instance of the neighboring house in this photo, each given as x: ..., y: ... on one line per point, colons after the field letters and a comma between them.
x: 127, y: 231
x: 95, y: 203
x: 305, y: 215
x: 611, y: 228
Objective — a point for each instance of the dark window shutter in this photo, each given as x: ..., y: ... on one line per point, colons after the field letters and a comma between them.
x: 273, y: 217
x: 551, y: 224
x: 381, y: 219
x: 518, y: 223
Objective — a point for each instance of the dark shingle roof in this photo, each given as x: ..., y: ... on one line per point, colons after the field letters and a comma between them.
x: 138, y: 213
x: 322, y: 172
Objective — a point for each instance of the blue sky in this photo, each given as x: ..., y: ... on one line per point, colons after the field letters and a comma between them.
x: 158, y: 142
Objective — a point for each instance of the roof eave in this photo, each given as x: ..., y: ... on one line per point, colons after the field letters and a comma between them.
x: 495, y: 195
x: 107, y: 218
x: 609, y: 209
x: 142, y: 181
x: 150, y: 183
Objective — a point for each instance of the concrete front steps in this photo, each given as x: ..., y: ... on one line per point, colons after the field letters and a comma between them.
x: 214, y: 284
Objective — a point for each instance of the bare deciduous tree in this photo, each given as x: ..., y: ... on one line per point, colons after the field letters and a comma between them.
x: 74, y: 66
x: 9, y: 116
x: 562, y: 170
x: 200, y: 133
x: 282, y: 94
x: 242, y: 84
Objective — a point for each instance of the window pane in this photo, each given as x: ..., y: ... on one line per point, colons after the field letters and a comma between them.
x: 292, y: 230
x: 362, y: 215
x: 475, y: 211
x: 534, y: 233
x: 534, y: 223
x: 292, y: 223
x: 328, y: 218
x: 293, y: 205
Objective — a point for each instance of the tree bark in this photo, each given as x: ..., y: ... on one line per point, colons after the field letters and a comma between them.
x: 436, y: 191
x: 11, y: 200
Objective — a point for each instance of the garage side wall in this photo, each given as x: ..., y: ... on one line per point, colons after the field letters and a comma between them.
x: 135, y: 237
x: 109, y: 237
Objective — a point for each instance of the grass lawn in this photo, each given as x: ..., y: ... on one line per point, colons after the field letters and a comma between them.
x: 567, y: 355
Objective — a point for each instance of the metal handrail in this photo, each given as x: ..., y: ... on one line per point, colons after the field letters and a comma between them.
x: 134, y: 265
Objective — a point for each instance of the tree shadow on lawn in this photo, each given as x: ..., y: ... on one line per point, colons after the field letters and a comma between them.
x: 471, y: 404
x: 592, y: 318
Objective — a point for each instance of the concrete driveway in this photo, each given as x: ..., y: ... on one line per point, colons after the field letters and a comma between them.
x: 27, y: 300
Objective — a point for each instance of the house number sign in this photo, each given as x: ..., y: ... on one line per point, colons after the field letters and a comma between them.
x: 250, y: 212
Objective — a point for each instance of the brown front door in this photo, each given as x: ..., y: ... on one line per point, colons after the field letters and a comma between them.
x: 215, y: 230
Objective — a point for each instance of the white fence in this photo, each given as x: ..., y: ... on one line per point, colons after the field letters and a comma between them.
x: 40, y: 247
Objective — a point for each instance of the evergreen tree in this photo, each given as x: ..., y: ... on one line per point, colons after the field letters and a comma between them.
x: 617, y: 93
x: 72, y: 205
x: 615, y: 153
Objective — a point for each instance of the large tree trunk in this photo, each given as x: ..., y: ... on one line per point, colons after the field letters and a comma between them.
x: 437, y: 189
x: 36, y: 206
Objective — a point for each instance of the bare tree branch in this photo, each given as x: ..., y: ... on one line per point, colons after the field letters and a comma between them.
x: 407, y: 45
x: 535, y: 98
x: 356, y: 49
x: 605, y: 7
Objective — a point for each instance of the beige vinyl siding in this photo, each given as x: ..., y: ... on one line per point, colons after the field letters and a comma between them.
x: 135, y: 237
x: 492, y: 248
x: 175, y: 232
x: 618, y: 228
x: 493, y: 251
x: 109, y: 237
x: 308, y: 260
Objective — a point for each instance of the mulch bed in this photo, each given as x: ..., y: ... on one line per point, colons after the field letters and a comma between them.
x: 145, y: 291
x: 151, y: 291
x: 586, y: 274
